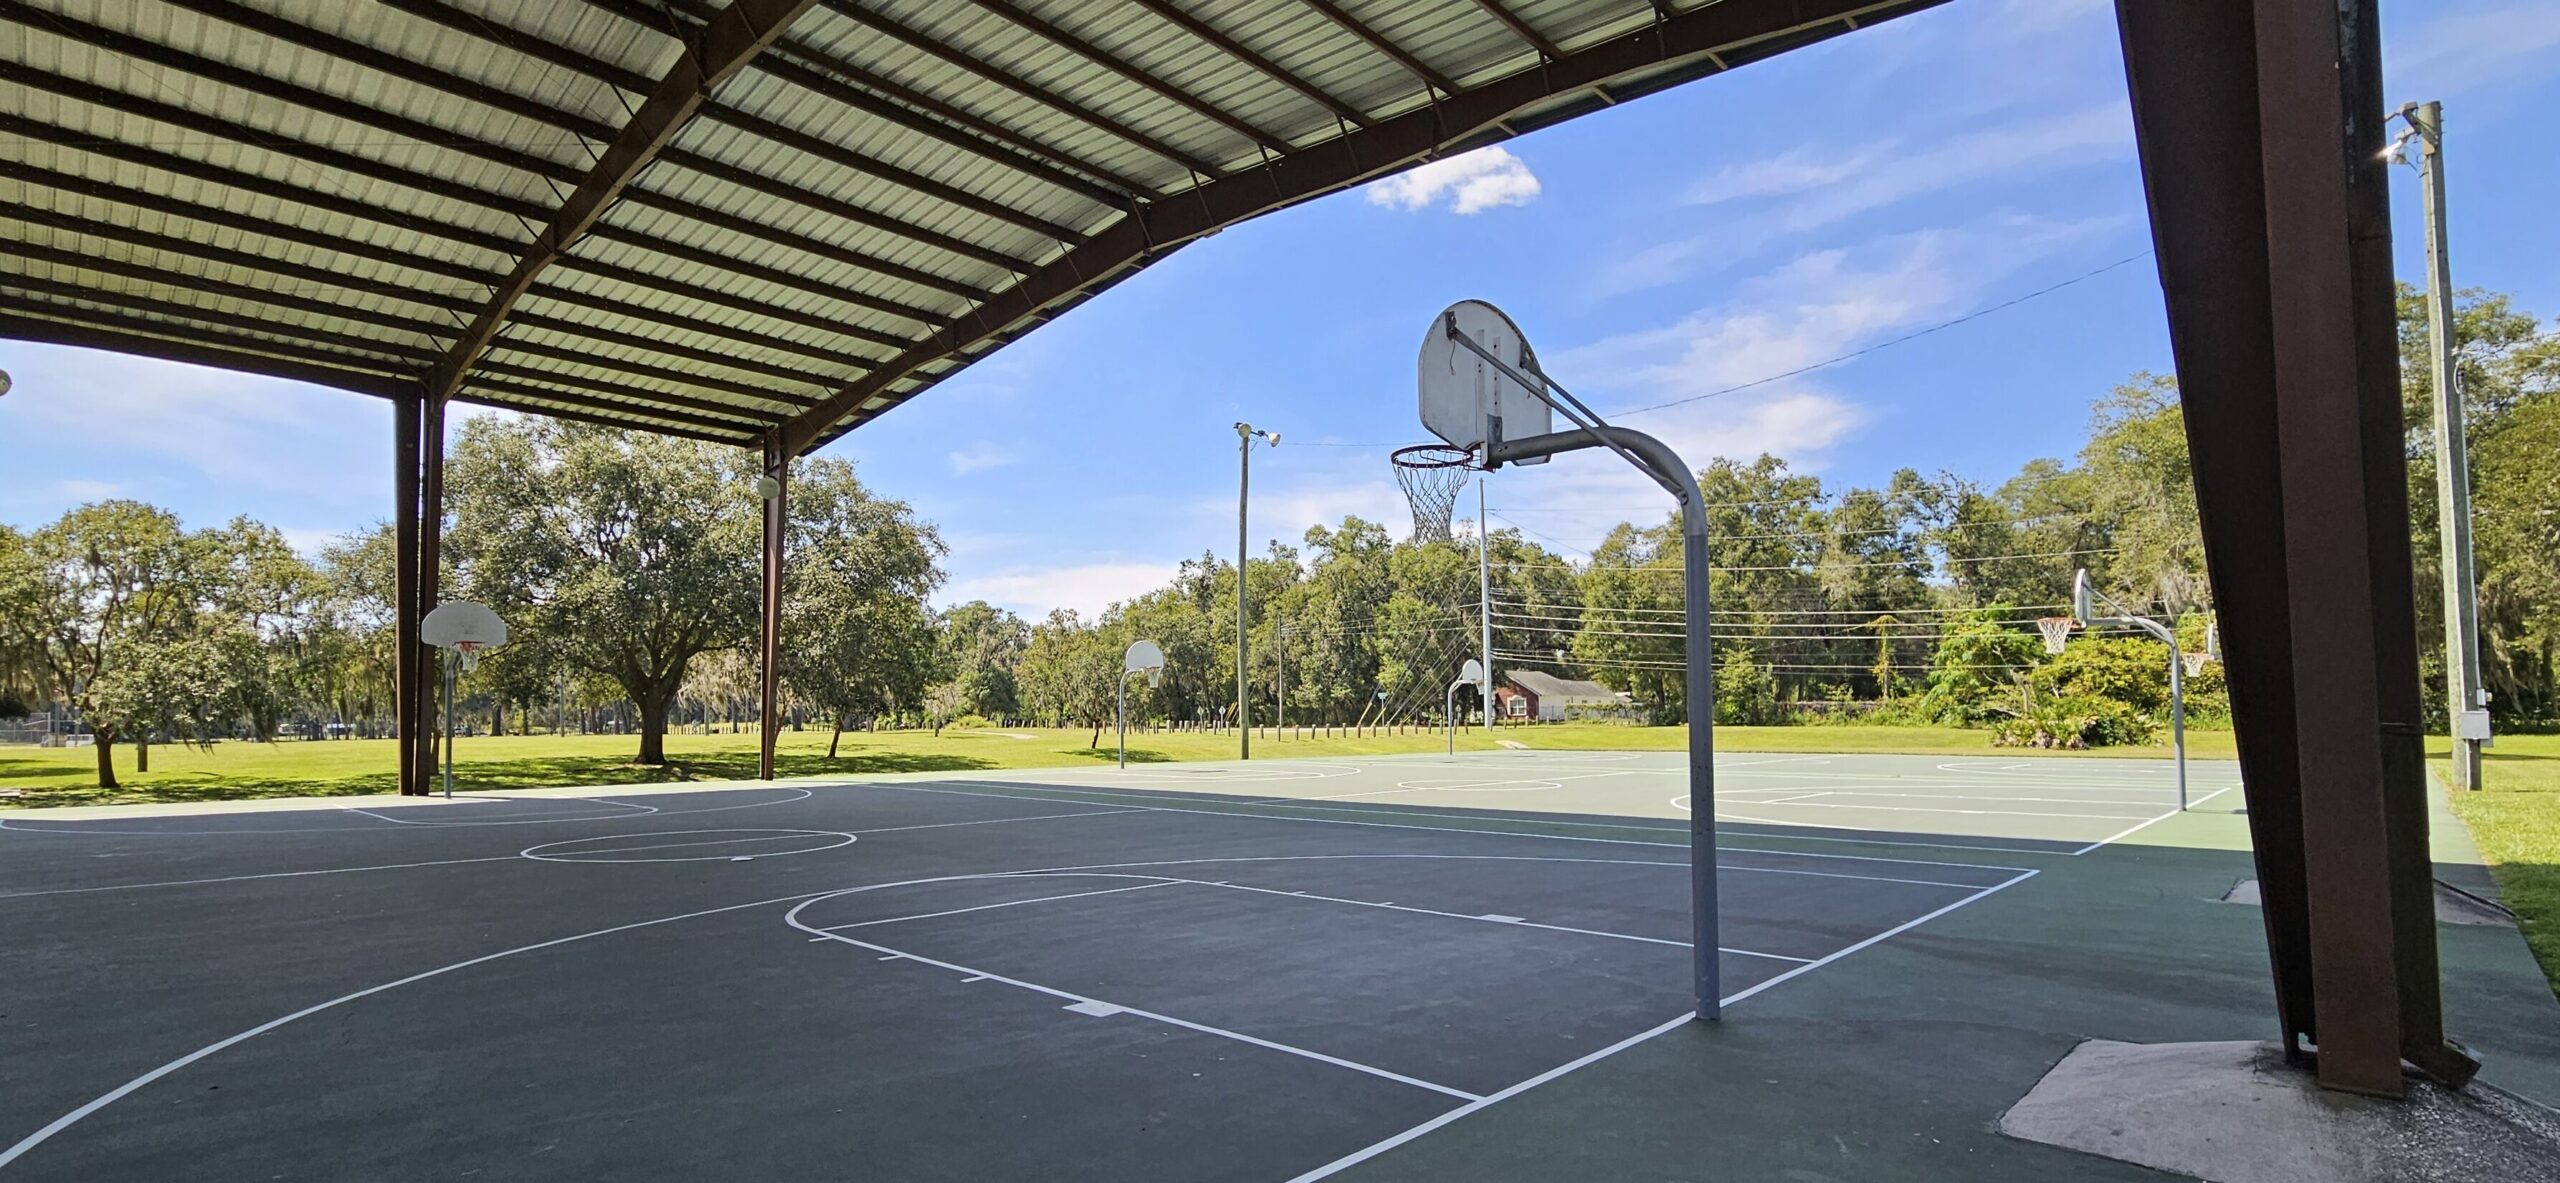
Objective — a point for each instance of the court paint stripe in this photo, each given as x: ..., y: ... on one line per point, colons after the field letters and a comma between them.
x: 991, y: 907
x: 1513, y: 921
x: 1375, y: 1149
x: 502, y: 858
x: 974, y: 974
x: 1238, y: 812
x: 2130, y: 831
x: 990, y: 821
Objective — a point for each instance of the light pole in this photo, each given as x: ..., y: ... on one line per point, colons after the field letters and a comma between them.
x: 1245, y: 435
x: 2466, y: 707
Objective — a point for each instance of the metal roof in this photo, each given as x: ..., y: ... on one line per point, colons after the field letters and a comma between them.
x: 753, y: 221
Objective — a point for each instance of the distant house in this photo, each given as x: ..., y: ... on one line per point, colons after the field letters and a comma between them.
x: 1529, y: 695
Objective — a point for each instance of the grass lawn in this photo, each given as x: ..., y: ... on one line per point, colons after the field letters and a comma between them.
x: 234, y: 770
x: 2515, y: 817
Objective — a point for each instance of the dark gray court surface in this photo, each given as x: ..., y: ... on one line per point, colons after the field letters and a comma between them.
x: 1284, y: 970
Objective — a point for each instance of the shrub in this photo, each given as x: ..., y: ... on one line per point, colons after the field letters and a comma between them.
x: 1746, y: 691
x: 978, y: 721
x: 2071, y: 721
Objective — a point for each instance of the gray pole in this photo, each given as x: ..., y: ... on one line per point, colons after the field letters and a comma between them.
x: 1280, y: 677
x: 1484, y: 602
x: 448, y: 724
x: 2453, y: 465
x: 2178, y: 714
x: 1124, y: 719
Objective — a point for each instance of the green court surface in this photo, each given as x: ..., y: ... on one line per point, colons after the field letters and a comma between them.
x: 1388, y: 967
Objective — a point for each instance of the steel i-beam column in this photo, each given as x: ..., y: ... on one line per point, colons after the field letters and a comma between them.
x: 777, y: 468
x: 405, y: 708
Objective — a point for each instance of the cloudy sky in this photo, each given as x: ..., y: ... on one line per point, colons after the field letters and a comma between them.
x: 1668, y: 258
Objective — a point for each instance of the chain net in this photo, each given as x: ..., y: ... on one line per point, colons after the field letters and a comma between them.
x: 1431, y: 476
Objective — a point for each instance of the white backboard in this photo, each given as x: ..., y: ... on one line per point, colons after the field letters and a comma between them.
x: 1472, y: 673
x: 457, y: 621
x: 1142, y: 655
x: 2082, y: 609
x: 1460, y: 393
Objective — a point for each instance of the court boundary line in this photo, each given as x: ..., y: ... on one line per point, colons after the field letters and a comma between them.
x: 2130, y: 831
x: 1418, y: 1131
x: 1462, y: 830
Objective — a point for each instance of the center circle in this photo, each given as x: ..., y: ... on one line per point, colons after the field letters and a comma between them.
x: 687, y: 846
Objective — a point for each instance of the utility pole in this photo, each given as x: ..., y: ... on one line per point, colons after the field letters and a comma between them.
x: 1484, y: 603
x: 2466, y: 705
x: 1245, y: 435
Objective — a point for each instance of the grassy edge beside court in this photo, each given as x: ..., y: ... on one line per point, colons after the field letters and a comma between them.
x: 2515, y: 820
x: 236, y: 770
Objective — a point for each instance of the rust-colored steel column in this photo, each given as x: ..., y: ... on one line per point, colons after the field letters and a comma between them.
x: 2259, y: 126
x: 430, y: 575
x: 406, y: 711
x: 777, y: 468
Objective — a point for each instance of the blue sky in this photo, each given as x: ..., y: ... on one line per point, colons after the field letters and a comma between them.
x: 1714, y: 235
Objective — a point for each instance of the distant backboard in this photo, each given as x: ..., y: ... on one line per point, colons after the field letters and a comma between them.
x: 1144, y: 657
x: 1462, y: 395
x: 461, y: 622
x: 2082, y: 609
x: 1472, y: 673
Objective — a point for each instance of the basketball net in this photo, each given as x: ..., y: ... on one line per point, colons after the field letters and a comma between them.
x: 1431, y: 476
x: 2195, y: 662
x: 470, y: 651
x: 2056, y: 631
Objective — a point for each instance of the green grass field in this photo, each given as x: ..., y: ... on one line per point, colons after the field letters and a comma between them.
x: 2515, y: 817
x: 235, y: 770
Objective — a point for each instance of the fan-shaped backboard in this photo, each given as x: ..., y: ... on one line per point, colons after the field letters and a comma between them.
x: 1461, y: 395
x: 459, y: 621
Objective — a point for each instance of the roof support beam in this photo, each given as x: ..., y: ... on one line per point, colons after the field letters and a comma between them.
x: 1520, y: 28
x: 1413, y: 65
x: 721, y: 49
x: 1689, y: 45
x: 1020, y: 85
x: 1130, y: 70
x: 1237, y: 50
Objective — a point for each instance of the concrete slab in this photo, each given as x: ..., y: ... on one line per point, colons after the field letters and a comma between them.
x: 2235, y: 1112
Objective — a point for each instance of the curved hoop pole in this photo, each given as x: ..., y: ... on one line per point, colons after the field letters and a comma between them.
x: 1656, y: 459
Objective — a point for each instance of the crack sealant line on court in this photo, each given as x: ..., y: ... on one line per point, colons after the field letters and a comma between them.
x: 1720, y: 844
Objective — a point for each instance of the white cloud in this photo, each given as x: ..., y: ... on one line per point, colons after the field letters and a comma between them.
x: 1807, y: 188
x: 1088, y: 588
x: 1472, y: 182
x: 2479, y: 47
x: 234, y: 430
x: 1833, y: 185
x: 979, y: 457
x: 82, y: 490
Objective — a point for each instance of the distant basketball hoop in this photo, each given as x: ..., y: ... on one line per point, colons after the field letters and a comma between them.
x: 2056, y: 631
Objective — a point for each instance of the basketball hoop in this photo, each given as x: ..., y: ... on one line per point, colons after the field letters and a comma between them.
x: 2195, y: 662
x: 2056, y: 631
x: 1431, y: 476
x: 470, y: 653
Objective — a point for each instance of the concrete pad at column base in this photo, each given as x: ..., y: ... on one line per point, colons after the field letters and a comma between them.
x: 2237, y: 1113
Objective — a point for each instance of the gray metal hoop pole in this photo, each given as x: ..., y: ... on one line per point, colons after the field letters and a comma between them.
x: 449, y: 676
x: 1484, y: 601
x: 1124, y: 719
x: 1244, y: 491
x: 2178, y: 713
x: 1657, y: 460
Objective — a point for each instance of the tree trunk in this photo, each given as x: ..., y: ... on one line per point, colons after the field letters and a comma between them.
x: 105, y: 742
x: 142, y: 752
x: 835, y: 737
x: 653, y: 730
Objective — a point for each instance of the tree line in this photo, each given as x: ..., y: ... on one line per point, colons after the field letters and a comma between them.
x: 625, y: 564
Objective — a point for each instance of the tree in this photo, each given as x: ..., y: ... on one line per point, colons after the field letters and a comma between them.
x: 858, y: 641
x: 1070, y: 673
x: 632, y: 552
x: 103, y: 585
x: 981, y: 649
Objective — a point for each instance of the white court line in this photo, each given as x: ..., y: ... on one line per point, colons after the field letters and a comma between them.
x: 1105, y: 811
x: 1375, y: 1149
x: 1006, y: 904
x: 1962, y: 797
x: 975, y: 974
x: 1513, y: 921
x: 1721, y: 846
x: 2129, y: 831
x: 2104, y: 817
x: 502, y: 858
